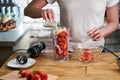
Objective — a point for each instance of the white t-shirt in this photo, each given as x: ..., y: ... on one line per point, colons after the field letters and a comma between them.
x: 83, y: 15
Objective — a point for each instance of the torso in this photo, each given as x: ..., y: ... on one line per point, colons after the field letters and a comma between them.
x: 81, y: 16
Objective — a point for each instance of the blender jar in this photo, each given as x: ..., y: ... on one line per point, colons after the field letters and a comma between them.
x: 60, y: 44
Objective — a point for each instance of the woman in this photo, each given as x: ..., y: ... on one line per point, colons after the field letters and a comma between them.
x: 84, y: 18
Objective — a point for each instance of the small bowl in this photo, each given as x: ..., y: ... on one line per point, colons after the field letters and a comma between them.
x: 88, y: 52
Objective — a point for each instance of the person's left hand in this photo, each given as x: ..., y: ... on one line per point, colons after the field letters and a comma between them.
x: 96, y: 34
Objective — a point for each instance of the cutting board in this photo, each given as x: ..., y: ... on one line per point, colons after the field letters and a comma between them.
x: 14, y: 76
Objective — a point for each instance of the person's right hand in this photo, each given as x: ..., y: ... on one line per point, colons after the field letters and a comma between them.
x: 48, y: 14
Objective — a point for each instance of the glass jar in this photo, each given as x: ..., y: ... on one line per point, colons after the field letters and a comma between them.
x: 48, y: 23
x: 60, y: 44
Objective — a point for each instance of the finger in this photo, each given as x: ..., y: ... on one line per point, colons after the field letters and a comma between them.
x: 96, y: 36
x: 45, y: 15
x: 96, y: 39
x: 50, y: 14
x: 96, y: 33
x: 53, y: 16
x: 92, y: 31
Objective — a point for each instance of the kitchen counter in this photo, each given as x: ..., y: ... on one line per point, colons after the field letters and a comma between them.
x: 10, y: 39
x: 104, y: 67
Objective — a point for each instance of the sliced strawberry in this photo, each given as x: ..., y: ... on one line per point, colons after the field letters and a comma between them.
x: 87, y: 55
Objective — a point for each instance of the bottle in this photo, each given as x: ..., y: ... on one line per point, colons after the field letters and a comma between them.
x: 6, y: 1
x: 8, y: 11
x: 1, y: 1
x: 3, y: 10
x: 10, y: 1
x: 1, y: 16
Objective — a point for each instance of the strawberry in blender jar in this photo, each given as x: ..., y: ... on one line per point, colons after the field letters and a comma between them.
x: 61, y: 44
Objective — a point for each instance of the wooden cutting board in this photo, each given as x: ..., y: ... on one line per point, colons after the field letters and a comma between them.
x: 14, y: 76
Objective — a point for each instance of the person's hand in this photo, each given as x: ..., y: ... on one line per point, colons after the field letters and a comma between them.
x: 48, y: 14
x: 96, y: 34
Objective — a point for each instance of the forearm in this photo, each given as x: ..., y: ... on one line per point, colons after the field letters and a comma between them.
x: 34, y: 8
x: 32, y: 12
x: 112, y: 20
x: 98, y: 33
x: 109, y: 28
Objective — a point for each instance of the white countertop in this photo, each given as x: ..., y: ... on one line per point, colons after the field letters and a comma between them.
x: 9, y: 38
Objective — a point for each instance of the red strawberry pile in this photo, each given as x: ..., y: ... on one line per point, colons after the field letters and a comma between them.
x: 34, y: 75
x: 87, y: 55
x: 62, y: 43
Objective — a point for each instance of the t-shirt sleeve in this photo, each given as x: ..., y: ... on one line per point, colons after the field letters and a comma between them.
x: 111, y: 3
x: 50, y: 1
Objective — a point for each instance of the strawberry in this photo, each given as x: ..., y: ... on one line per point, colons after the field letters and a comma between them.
x: 23, y: 73
x: 30, y: 75
x: 61, y: 34
x: 36, y: 77
x: 44, y: 76
x: 87, y: 55
x: 39, y: 72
